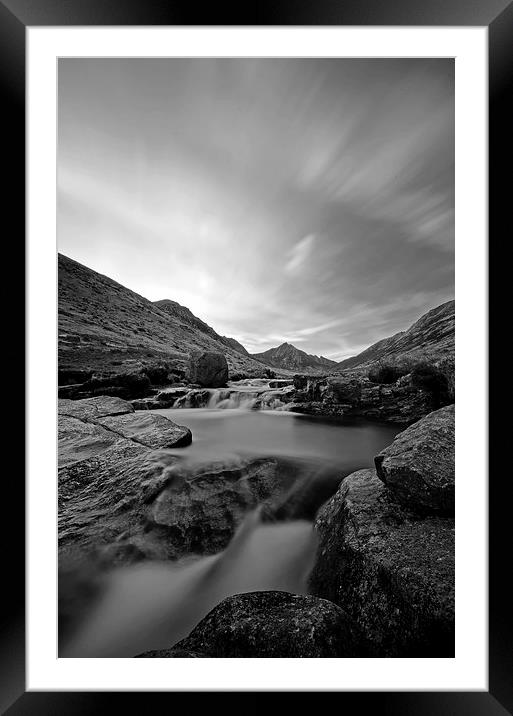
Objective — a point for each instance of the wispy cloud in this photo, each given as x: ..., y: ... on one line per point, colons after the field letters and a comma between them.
x: 304, y: 201
x: 299, y: 254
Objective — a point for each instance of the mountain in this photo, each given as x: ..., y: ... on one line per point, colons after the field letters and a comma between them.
x: 185, y: 315
x: 431, y: 337
x: 104, y: 326
x: 289, y: 357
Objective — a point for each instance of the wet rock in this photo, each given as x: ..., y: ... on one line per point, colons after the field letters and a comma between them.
x: 92, y: 408
x: 200, y: 506
x: 280, y: 383
x: 392, y: 572
x: 171, y: 394
x: 100, y: 497
x: 149, y: 404
x: 195, y: 398
x: 154, y: 431
x: 419, y: 465
x: 80, y: 440
x: 273, y: 624
x: 209, y: 370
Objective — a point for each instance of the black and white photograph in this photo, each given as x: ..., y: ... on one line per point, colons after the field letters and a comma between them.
x: 256, y: 374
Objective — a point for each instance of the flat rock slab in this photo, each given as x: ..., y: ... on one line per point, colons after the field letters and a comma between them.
x: 271, y: 624
x: 92, y: 408
x: 154, y: 431
x: 419, y: 465
x: 80, y: 441
x: 100, y: 497
x: 392, y: 572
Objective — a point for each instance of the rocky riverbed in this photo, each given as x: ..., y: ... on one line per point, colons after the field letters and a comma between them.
x: 382, y: 582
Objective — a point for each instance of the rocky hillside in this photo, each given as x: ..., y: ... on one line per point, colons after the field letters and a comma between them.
x: 289, y: 357
x: 184, y: 315
x: 104, y: 326
x: 430, y: 338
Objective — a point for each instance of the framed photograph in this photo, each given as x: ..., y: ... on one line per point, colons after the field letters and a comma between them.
x: 256, y: 277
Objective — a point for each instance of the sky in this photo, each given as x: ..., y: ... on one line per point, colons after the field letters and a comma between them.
x: 308, y: 201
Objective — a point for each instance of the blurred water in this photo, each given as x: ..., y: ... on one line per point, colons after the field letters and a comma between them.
x: 154, y: 605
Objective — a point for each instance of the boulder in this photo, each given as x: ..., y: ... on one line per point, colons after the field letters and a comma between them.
x: 209, y: 370
x: 419, y: 465
x: 199, y: 506
x: 392, y: 572
x: 271, y: 624
x: 154, y: 431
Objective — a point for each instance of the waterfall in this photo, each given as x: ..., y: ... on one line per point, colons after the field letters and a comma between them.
x: 243, y: 397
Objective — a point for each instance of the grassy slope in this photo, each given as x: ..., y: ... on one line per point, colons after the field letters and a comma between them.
x: 105, y: 326
x: 430, y: 338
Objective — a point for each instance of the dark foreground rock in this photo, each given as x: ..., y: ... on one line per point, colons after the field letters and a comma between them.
x: 271, y: 624
x: 209, y: 370
x: 392, y: 572
x: 419, y: 465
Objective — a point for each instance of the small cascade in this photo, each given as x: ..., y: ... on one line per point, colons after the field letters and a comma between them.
x: 233, y: 400
x: 242, y: 396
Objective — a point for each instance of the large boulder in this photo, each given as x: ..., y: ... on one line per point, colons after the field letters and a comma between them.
x: 209, y: 369
x: 271, y: 624
x: 419, y: 465
x: 198, y: 506
x: 392, y: 572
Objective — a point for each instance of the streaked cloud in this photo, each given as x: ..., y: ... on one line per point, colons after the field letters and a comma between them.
x: 299, y: 254
x: 301, y: 200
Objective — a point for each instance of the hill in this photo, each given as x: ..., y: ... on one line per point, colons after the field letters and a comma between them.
x: 104, y: 326
x: 288, y: 357
x: 185, y: 315
x: 430, y: 338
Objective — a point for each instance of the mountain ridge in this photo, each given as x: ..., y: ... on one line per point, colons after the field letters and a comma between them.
x: 288, y: 357
x: 104, y: 325
x: 431, y: 336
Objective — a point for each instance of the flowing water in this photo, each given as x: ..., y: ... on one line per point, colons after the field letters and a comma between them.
x: 152, y: 606
x: 314, y: 453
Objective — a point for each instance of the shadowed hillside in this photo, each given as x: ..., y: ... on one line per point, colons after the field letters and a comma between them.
x: 430, y: 338
x: 105, y: 326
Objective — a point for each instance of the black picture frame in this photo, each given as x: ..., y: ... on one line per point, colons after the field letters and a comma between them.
x: 15, y: 17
